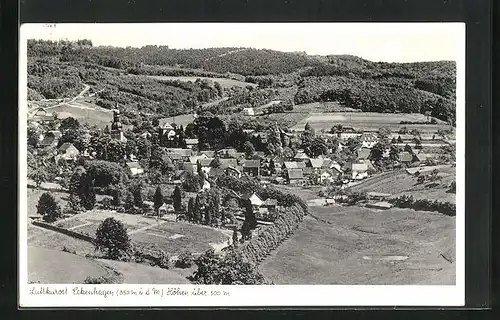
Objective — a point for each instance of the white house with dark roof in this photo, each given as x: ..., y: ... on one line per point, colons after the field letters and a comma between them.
x: 135, y: 168
x: 68, y: 151
x: 359, y: 171
x: 190, y: 143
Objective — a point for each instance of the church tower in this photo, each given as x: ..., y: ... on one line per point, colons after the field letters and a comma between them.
x: 116, y: 127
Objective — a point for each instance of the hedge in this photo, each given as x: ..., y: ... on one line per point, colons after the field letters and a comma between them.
x: 407, y: 201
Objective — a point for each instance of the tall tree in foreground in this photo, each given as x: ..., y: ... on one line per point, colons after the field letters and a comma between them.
x: 112, y: 238
x: 48, y: 207
x: 158, y: 200
x: 177, y: 199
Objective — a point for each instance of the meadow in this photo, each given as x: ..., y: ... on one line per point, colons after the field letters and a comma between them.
x: 224, y: 82
x: 369, y: 121
x: 354, y: 246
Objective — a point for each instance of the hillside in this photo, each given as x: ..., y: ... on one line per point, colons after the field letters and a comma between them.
x: 59, y: 69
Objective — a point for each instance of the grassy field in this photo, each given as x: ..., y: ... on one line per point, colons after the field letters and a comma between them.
x: 361, y: 246
x: 84, y: 112
x: 34, y: 196
x: 52, y: 266
x: 367, y: 121
x: 398, y: 183
x: 135, y: 273
x: 318, y: 107
x: 224, y: 82
x: 176, y: 237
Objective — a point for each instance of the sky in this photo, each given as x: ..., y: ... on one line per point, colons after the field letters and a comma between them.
x: 390, y: 42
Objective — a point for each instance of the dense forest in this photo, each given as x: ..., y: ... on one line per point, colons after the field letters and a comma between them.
x: 59, y: 69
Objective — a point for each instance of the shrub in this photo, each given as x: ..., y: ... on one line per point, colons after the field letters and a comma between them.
x: 185, y: 260
x: 98, y: 280
x: 107, y: 203
x: 112, y: 237
x: 163, y: 260
x: 48, y: 207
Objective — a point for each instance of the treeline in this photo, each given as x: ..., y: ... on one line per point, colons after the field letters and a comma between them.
x: 272, y: 236
x: 407, y: 201
x: 52, y: 79
x: 154, y: 70
x: 374, y: 96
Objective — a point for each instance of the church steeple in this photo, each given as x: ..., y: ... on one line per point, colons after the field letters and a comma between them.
x: 116, y: 126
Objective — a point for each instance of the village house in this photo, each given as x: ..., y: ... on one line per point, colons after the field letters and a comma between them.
x: 294, y: 176
x: 167, y: 130
x: 42, y: 116
x: 146, y: 135
x: 359, y: 171
x: 363, y: 153
x: 190, y: 143
x: 368, y: 140
x: 68, y: 151
x: 315, y: 164
x: 233, y: 172
x: 230, y: 162
x: 205, y: 164
x: 301, y: 156
x: 270, y: 204
x: 134, y: 168
x: 348, y: 133
x: 248, y: 111
x: 251, y: 167
x: 405, y: 157
x: 254, y: 199
x: 208, y: 153
x: 179, y: 154
x: 226, y: 153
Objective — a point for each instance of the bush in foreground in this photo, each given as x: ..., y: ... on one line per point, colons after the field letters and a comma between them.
x: 230, y: 268
x: 185, y: 260
x: 112, y: 238
x: 48, y: 208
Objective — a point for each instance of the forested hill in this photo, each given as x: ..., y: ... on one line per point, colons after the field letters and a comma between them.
x: 353, y: 81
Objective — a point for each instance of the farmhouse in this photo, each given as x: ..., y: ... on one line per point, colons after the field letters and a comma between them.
x: 270, y: 204
x: 363, y: 153
x: 68, y: 151
x: 368, y: 140
x: 359, y: 171
x: 190, y: 143
x: 315, y: 164
x: 251, y: 167
x: 248, y: 111
x: 294, y: 176
x: 254, y: 199
x: 134, y: 168
x: 405, y: 157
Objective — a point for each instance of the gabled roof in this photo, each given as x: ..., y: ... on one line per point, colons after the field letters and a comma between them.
x: 208, y: 153
x: 237, y: 155
x: 180, y: 151
x: 315, y: 163
x: 301, y: 164
x: 421, y: 156
x: 301, y: 155
x: 405, y: 156
x: 134, y: 164
x: 290, y: 165
x: 363, y: 153
x: 251, y: 164
x: 205, y: 162
x: 359, y: 167
x: 368, y: 137
x: 65, y: 146
x: 189, y: 167
x: 225, y: 163
x: 295, y: 174
x: 191, y: 141
x: 248, y: 195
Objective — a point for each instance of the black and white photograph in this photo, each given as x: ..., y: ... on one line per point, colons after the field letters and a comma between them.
x: 193, y: 154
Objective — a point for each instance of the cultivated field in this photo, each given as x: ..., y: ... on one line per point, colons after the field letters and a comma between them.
x: 354, y: 246
x: 319, y: 107
x: 53, y: 266
x: 367, y: 121
x: 224, y: 82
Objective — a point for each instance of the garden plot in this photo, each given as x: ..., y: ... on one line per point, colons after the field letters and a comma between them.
x: 176, y: 237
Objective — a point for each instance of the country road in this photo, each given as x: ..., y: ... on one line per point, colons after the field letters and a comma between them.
x: 79, y: 95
